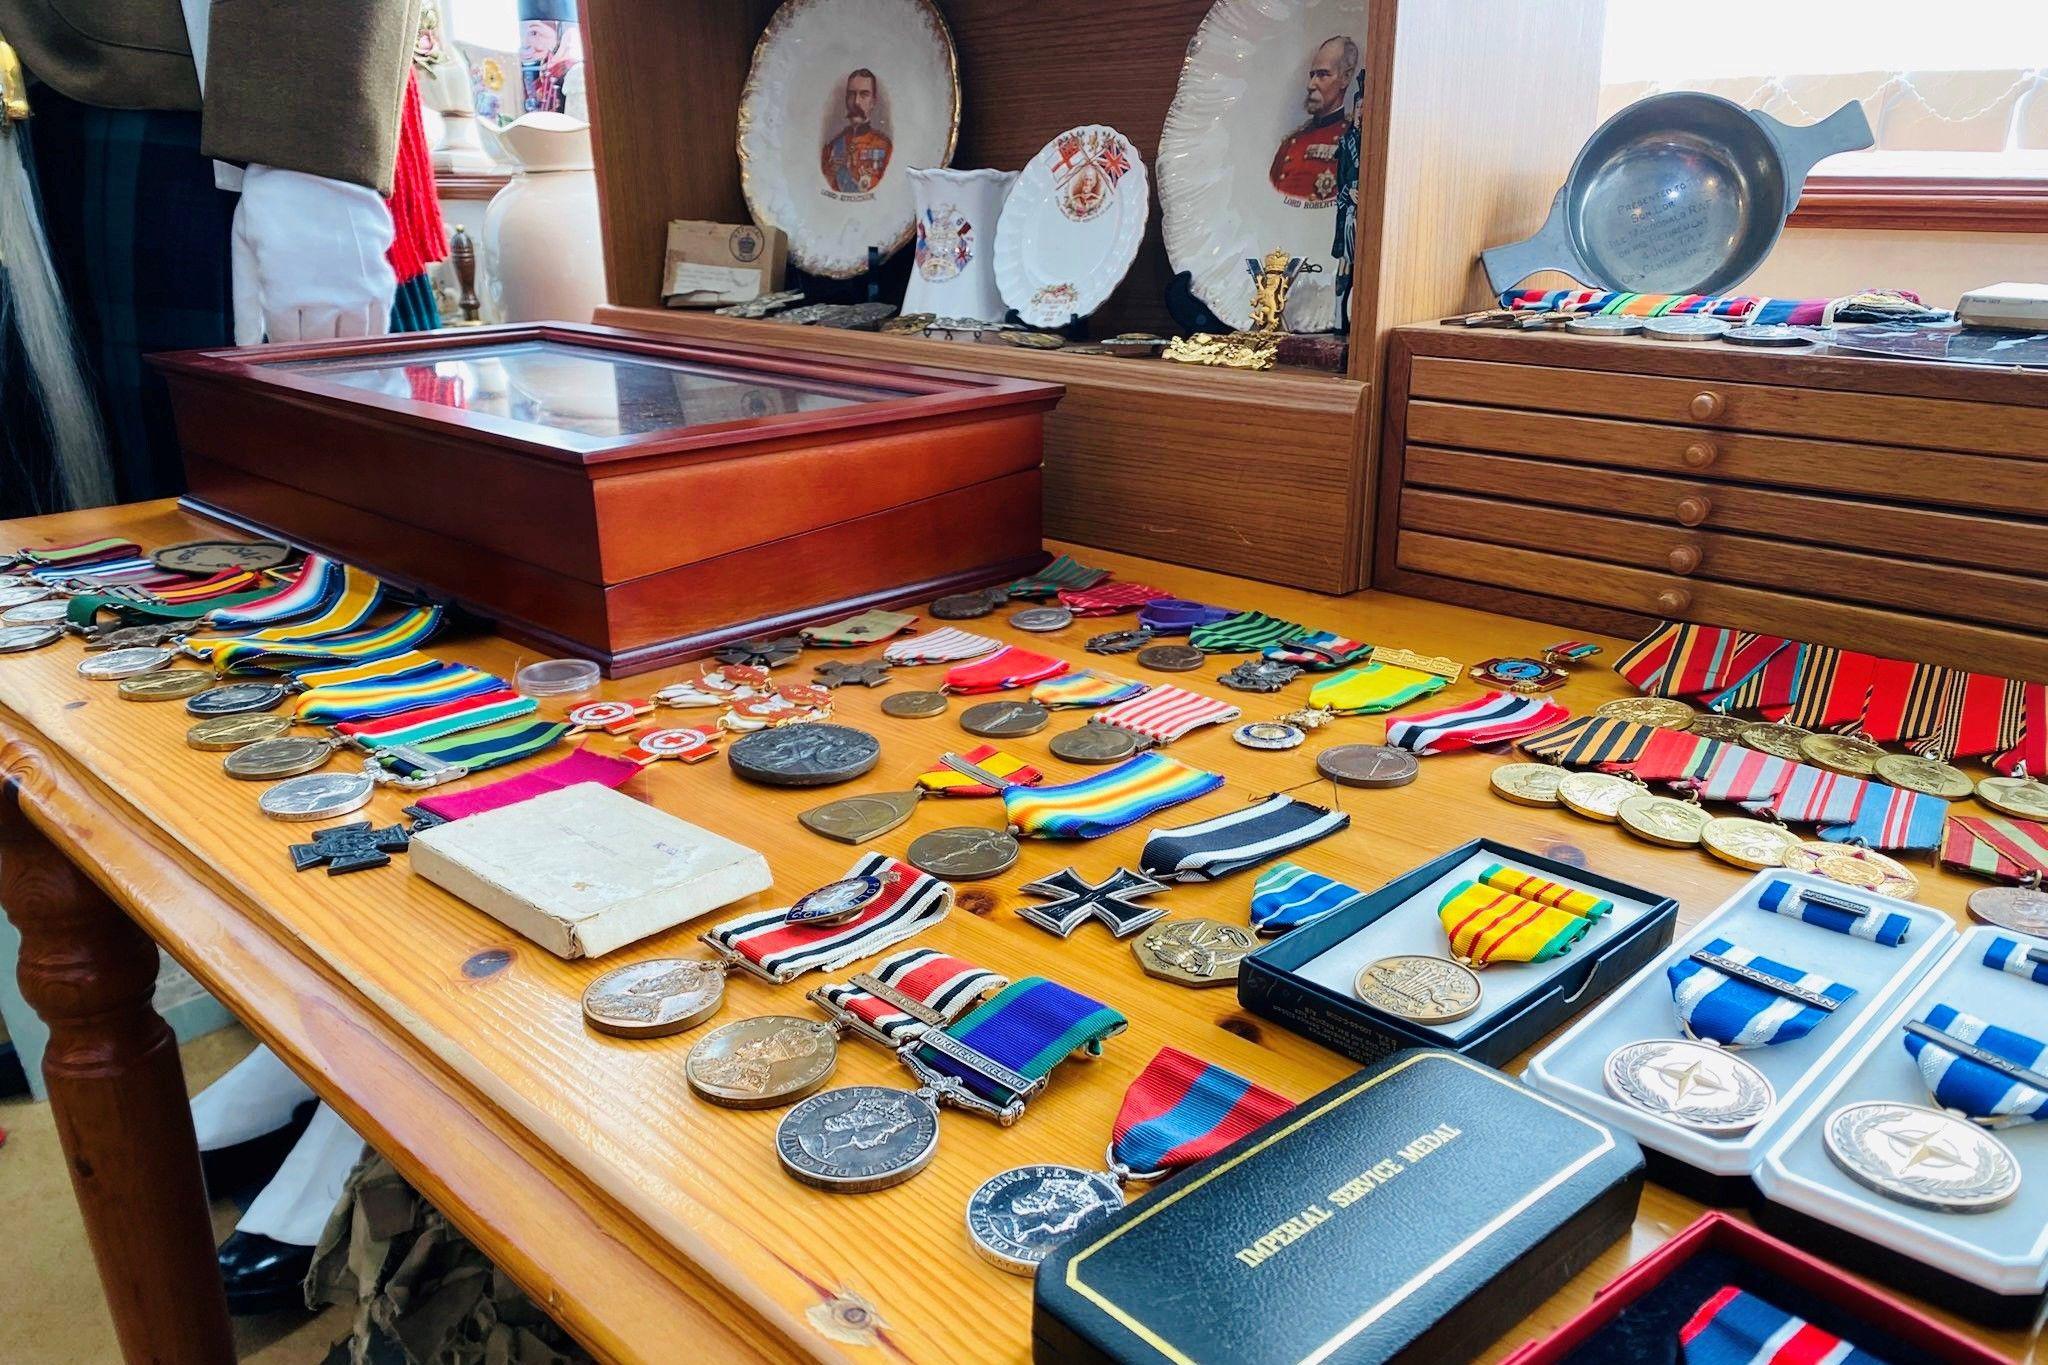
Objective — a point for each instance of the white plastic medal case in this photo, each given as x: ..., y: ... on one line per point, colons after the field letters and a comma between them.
x: 1573, y: 1068
x: 2003, y: 1250
x: 843, y: 98
x: 1250, y: 156
x: 1072, y: 225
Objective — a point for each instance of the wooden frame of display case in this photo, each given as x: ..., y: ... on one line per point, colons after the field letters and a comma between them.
x: 1474, y: 109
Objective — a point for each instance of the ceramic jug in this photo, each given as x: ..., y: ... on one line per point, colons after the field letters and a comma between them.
x: 954, y: 273
x: 543, y: 256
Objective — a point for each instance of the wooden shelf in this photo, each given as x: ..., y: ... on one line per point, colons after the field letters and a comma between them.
x: 1246, y: 472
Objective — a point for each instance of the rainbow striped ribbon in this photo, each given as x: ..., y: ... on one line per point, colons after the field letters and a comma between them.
x: 84, y: 552
x: 318, y: 589
x: 1108, y: 801
x: 255, y: 653
x: 1086, y: 688
x: 432, y: 722
x: 371, y: 698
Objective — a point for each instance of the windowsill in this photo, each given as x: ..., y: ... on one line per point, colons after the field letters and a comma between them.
x: 470, y: 184
x: 1928, y: 203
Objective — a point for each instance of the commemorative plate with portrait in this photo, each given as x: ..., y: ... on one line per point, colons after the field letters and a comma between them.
x: 843, y: 98
x: 1262, y: 152
x: 1071, y: 226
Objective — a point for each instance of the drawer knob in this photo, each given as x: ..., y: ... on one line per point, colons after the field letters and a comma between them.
x: 1684, y: 558
x: 1698, y: 455
x: 1692, y: 509
x: 1706, y: 405
x: 1672, y: 601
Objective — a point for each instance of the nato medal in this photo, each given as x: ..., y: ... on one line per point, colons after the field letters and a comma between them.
x: 1692, y: 1084
x: 1926, y: 1157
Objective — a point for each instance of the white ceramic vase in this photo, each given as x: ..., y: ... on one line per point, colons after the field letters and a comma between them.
x: 543, y: 253
x: 953, y: 273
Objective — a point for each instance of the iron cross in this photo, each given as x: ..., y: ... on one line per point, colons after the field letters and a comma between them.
x: 1070, y: 901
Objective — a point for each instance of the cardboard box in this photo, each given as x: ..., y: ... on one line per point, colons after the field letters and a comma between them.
x: 709, y: 265
x: 584, y: 870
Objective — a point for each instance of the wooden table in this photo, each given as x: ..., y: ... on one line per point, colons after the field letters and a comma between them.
x: 652, y: 1225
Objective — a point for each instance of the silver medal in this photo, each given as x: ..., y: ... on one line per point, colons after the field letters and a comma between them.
x: 1019, y: 1217
x: 16, y: 639
x: 233, y: 699
x: 317, y: 796
x: 21, y: 596
x: 1694, y: 1085
x: 1929, y: 1158
x: 858, y: 1138
x: 124, y: 663
x: 267, y: 760
x: 36, y: 613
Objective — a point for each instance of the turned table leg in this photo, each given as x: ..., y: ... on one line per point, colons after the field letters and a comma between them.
x: 118, y: 1096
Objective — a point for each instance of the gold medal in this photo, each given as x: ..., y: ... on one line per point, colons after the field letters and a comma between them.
x: 1755, y: 844
x: 1928, y: 775
x: 1597, y: 796
x: 217, y: 734
x: 1852, y: 866
x: 168, y: 684
x: 1420, y: 986
x: 1780, y: 741
x: 1712, y: 725
x: 2021, y: 796
x: 1663, y: 712
x: 1528, y: 784
x: 1842, y: 754
x: 761, y: 1062
x: 1662, y: 820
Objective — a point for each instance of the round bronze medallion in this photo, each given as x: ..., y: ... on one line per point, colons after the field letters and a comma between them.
x: 217, y: 734
x: 761, y: 1062
x: 169, y: 684
x: 914, y: 705
x: 1927, y: 775
x: 1005, y: 719
x: 1528, y: 784
x: 1368, y: 765
x: 1666, y: 713
x: 1779, y: 741
x: 1597, y: 796
x: 1755, y: 844
x: 963, y: 854
x: 655, y: 998
x: 1851, y: 866
x: 1847, y: 754
x: 1171, y: 658
x: 1421, y: 987
x: 1712, y: 725
x: 268, y: 760
x: 2022, y: 909
x: 2021, y: 796
x: 1663, y: 820
x: 1094, y: 744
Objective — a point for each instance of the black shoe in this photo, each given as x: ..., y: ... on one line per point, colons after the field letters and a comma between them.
x: 263, y: 1275
x: 237, y: 1172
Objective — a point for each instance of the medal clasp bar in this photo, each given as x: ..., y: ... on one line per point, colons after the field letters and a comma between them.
x: 2004, y: 1066
x: 952, y: 1090
x: 1829, y: 901
x: 432, y: 772
x: 1777, y: 985
x: 742, y: 961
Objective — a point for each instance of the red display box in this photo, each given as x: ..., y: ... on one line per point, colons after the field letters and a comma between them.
x: 630, y: 497
x: 1630, y: 1321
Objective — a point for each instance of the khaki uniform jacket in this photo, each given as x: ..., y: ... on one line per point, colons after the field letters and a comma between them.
x: 307, y: 85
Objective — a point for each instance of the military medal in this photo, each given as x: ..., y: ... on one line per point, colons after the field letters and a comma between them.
x: 1171, y: 658
x: 1179, y: 1111
x: 1663, y: 712
x: 220, y: 733
x: 891, y: 901
x: 1597, y: 796
x: 1368, y: 765
x: 1259, y: 675
x: 317, y: 796
x: 168, y: 684
x: 18, y: 639
x: 1783, y: 741
x: 1528, y: 784
x: 1043, y: 619
x: 1727, y: 997
x: 914, y: 705
x: 1071, y: 901
x: 2004, y: 850
x: 609, y: 717
x: 1163, y: 713
x: 268, y: 760
x: 1005, y: 719
x: 857, y: 819
x: 2021, y: 795
x: 963, y: 853
x: 356, y: 847
x: 965, y: 606
x: 804, y: 755
x: 421, y: 764
x: 1420, y: 987
x: 1119, y: 641
x: 1754, y: 844
x: 36, y: 614
x: 1193, y: 952
x: 989, y: 1062
x: 1086, y: 688
x: 1663, y: 820
x: 1851, y: 866
x: 946, y: 645
x: 1929, y: 776
x: 234, y: 699
x: 762, y: 1062
x: 1268, y: 734
x: 1520, y: 675
x: 981, y: 771
x: 1842, y: 753
x: 1095, y: 744
x: 1504, y: 916
x: 655, y: 998
x: 864, y: 629
x: 689, y: 743
x: 762, y: 653
x: 1725, y: 729
x: 834, y: 673
x: 123, y: 663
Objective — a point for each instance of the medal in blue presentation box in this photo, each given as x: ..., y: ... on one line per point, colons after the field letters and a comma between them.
x: 1303, y: 980
x: 1413, y: 1212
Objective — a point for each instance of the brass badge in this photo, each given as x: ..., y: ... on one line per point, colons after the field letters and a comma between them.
x: 1193, y: 952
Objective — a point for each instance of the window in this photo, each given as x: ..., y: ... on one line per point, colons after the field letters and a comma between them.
x: 1956, y: 95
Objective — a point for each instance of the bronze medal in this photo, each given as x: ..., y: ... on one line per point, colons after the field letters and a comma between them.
x: 762, y: 1062
x: 2020, y: 796
x: 655, y: 998
x: 914, y: 705
x: 286, y: 756
x: 1005, y: 719
x: 168, y: 684
x: 1779, y: 741
x: 1193, y: 952
x: 1662, y: 820
x: 963, y: 853
x: 1666, y: 713
x: 857, y: 819
x: 217, y: 734
x: 1597, y: 796
x: 2022, y: 909
x: 1852, y: 866
x: 1754, y: 844
x: 1929, y: 776
x: 1171, y: 658
x: 1368, y: 765
x: 1846, y: 754
x: 1094, y: 744
x: 1528, y: 784
x: 1420, y: 986
x: 1711, y: 725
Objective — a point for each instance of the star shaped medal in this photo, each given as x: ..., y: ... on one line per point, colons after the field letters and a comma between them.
x: 1070, y: 901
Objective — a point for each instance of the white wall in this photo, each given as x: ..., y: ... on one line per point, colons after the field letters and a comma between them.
x: 1938, y: 266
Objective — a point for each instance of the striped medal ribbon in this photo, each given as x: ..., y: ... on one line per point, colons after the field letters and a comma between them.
x: 1996, y: 846
x: 1486, y: 924
x: 1011, y: 666
x: 1319, y: 651
x: 907, y: 993
x: 169, y: 602
x: 1819, y: 797
x: 1287, y: 896
x: 432, y: 762
x: 2009, y: 955
x: 253, y: 654
x: 1978, y: 715
x: 1833, y: 691
x: 1543, y: 891
x: 1086, y: 688
x: 2029, y: 752
x: 1671, y: 756
x: 324, y: 594
x: 578, y: 767
x: 1106, y: 802
x: 1373, y: 689
x: 1164, y: 713
x: 1978, y: 1087
x: 1492, y: 718
x: 1591, y: 740
x: 1108, y: 599
x: 1178, y: 615
x: 1735, y: 1327
x: 947, y: 779
x: 1904, y: 702
x: 1181, y: 1110
x: 996, y: 1057
x: 83, y: 552
x: 371, y: 698
x: 432, y: 722
x: 1737, y: 1011
x: 409, y: 664
x: 1214, y: 848
x: 1064, y: 572
x: 947, y: 644
x: 1892, y: 817
x: 1840, y: 913
x: 1248, y: 632
x: 1769, y: 688
x: 1734, y: 772
x: 769, y: 945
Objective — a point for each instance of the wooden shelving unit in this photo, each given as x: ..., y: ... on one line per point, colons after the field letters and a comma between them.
x: 1474, y: 110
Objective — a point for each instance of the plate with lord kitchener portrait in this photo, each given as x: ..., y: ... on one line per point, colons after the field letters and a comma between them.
x: 1071, y: 226
x: 843, y: 98
x: 1254, y: 155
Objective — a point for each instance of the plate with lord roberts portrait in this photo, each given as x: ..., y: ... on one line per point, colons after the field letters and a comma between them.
x: 1071, y: 226
x: 1261, y: 152
x: 843, y: 98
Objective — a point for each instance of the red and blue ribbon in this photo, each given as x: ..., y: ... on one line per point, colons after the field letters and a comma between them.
x: 1182, y: 1109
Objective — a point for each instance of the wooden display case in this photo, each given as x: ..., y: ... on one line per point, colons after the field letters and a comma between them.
x: 631, y: 498
x: 1474, y: 109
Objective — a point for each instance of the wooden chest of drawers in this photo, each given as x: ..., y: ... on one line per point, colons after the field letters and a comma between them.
x: 1605, y: 483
